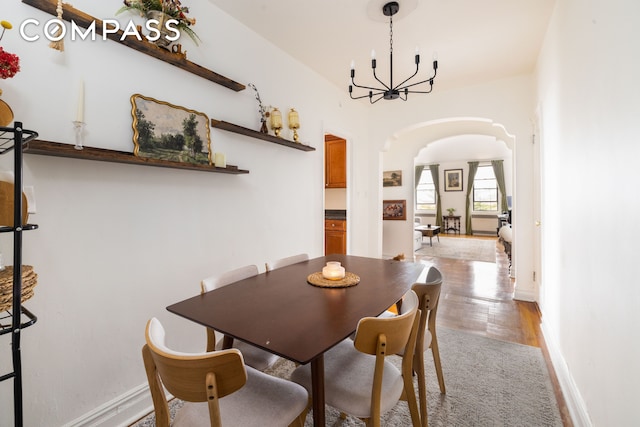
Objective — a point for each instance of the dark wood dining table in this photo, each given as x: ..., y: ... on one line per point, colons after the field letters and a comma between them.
x: 279, y: 311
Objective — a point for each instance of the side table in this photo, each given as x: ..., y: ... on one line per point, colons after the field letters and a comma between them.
x: 429, y: 231
x: 451, y: 223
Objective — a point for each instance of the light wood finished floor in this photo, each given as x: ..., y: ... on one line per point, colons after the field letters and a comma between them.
x: 477, y: 297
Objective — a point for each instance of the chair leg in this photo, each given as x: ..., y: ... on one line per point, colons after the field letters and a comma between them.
x: 436, y: 361
x: 418, y: 367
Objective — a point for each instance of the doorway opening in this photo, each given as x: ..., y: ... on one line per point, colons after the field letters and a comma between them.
x: 335, y: 195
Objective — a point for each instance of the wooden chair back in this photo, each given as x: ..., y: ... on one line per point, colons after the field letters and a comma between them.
x: 218, y: 281
x: 197, y: 377
x: 283, y: 262
x: 428, y: 294
x: 383, y: 337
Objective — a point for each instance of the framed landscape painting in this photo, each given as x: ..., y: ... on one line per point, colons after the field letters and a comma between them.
x: 169, y: 132
x: 453, y: 180
x: 394, y: 209
x: 392, y: 179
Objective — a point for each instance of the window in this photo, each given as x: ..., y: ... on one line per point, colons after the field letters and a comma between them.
x: 485, y: 190
x: 426, y: 192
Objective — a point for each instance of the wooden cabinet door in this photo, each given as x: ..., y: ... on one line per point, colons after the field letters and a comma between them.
x: 335, y: 151
x: 335, y: 237
x: 335, y: 242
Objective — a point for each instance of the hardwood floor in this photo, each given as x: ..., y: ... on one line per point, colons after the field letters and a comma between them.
x: 477, y: 297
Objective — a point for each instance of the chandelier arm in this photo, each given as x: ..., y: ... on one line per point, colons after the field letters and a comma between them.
x: 381, y: 82
x: 421, y: 91
x: 430, y: 81
x: 366, y: 95
x: 366, y: 87
x: 378, y: 99
x: 400, y: 86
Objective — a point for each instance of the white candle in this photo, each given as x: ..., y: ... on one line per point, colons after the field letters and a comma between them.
x: 333, y: 271
x: 80, y: 113
x: 220, y: 161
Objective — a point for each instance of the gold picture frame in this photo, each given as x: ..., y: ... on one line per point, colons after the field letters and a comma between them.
x: 169, y: 132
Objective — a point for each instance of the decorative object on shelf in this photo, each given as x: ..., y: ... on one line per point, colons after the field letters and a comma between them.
x: 262, y: 110
x: 394, y: 209
x: 333, y: 271
x: 451, y: 211
x: 294, y: 123
x: 168, y: 132
x: 58, y: 44
x: 389, y: 91
x: 276, y: 121
x: 160, y: 12
x: 78, y: 129
x: 6, y: 113
x: 29, y: 281
x: 392, y: 178
x: 9, y: 67
x: 453, y: 180
x: 220, y: 160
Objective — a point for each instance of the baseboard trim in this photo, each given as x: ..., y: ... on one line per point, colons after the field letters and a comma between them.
x: 124, y: 410
x: 572, y: 397
x: 523, y: 295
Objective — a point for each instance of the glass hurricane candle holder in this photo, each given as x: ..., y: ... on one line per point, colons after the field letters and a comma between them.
x: 333, y: 271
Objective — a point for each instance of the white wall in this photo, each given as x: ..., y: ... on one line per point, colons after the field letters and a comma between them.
x: 589, y: 105
x: 118, y: 243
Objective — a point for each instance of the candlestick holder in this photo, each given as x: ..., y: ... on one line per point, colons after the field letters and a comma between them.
x: 78, y: 127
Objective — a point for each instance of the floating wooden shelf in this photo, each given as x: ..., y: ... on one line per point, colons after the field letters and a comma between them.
x: 57, y: 149
x: 259, y: 135
x: 83, y: 20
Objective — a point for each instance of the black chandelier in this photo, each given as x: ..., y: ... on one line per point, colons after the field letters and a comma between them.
x: 390, y: 91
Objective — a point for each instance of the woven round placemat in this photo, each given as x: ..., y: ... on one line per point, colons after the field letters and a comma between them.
x: 349, y: 279
x: 29, y: 281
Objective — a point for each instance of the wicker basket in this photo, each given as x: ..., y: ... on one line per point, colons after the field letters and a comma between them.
x: 29, y: 281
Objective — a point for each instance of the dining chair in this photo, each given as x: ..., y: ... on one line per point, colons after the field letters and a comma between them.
x: 428, y: 293
x: 217, y: 387
x: 283, y: 262
x: 255, y: 357
x: 366, y: 387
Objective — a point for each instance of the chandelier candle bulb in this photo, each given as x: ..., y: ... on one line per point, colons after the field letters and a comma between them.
x: 333, y: 271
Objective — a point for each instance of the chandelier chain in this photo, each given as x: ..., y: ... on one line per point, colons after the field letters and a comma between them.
x: 391, y: 34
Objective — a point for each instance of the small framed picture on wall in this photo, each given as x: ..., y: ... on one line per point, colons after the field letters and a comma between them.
x: 453, y: 180
x: 394, y: 209
x: 392, y: 179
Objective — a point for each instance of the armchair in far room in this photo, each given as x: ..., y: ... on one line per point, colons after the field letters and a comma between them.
x: 417, y: 235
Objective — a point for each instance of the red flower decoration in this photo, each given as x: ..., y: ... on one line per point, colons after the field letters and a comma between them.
x: 9, y: 64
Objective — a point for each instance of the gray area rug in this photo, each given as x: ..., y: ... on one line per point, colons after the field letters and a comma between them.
x: 460, y: 248
x: 489, y: 383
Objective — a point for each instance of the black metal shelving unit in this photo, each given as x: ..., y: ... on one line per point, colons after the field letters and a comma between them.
x: 13, y: 139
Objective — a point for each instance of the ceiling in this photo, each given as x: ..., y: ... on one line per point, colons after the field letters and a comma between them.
x: 475, y: 41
